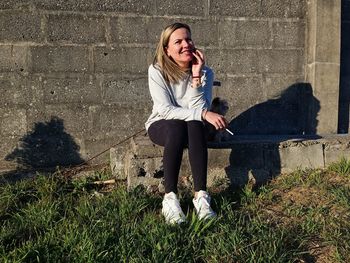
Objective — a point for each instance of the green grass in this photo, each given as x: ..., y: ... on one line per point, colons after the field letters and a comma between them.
x: 299, y: 217
x: 342, y: 167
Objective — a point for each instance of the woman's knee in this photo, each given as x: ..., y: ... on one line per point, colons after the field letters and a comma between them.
x: 195, y: 125
x: 177, y: 131
x: 195, y: 128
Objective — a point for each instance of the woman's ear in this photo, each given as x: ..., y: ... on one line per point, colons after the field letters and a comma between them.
x: 166, y: 51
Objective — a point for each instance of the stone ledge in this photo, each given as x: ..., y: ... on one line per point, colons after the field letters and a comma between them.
x: 246, y: 158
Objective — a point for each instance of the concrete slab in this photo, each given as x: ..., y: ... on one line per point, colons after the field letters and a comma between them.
x: 301, y: 157
x: 246, y: 159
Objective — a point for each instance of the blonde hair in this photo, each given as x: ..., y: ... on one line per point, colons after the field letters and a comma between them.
x: 170, y: 70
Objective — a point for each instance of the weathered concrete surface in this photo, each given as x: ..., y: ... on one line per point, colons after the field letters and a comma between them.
x: 301, y: 156
x: 323, y: 60
x: 245, y: 158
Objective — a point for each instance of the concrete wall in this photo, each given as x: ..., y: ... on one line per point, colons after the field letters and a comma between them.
x: 323, y: 61
x: 73, y: 74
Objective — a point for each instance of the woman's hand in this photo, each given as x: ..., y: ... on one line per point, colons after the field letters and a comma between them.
x: 217, y: 120
x: 198, y: 63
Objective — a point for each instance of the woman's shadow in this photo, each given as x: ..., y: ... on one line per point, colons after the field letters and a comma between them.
x: 45, y: 148
x: 260, y: 130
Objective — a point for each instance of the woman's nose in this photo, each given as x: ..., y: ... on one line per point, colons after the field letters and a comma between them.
x: 186, y: 43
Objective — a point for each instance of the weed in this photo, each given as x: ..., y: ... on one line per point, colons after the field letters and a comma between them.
x: 342, y: 167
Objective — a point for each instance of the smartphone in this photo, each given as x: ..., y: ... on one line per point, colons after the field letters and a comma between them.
x: 194, y: 60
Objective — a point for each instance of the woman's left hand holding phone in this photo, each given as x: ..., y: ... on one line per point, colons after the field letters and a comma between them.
x: 197, y: 62
x: 197, y: 66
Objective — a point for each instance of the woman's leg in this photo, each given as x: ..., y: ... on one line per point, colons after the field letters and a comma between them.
x: 198, y: 154
x: 172, y: 134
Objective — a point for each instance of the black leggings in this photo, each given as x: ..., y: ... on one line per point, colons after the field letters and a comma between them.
x: 175, y: 135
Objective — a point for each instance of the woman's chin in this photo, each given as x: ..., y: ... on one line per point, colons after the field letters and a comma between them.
x: 184, y: 63
x: 187, y: 59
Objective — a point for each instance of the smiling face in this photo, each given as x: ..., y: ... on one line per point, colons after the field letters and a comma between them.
x: 180, y: 47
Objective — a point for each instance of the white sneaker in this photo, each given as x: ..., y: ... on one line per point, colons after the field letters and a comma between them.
x: 202, y: 205
x: 172, y: 210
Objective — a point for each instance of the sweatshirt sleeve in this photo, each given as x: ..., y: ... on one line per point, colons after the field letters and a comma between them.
x: 201, y: 97
x: 163, y: 102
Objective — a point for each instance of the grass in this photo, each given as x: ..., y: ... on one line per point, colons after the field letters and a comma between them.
x: 299, y: 217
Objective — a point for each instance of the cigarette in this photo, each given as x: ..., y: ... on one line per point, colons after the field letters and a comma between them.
x: 230, y: 132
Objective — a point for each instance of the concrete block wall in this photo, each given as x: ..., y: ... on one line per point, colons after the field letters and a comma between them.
x: 73, y: 74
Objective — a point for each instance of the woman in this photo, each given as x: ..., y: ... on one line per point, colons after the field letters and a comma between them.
x: 181, y: 89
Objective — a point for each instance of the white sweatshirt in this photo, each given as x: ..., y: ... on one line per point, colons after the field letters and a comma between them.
x: 178, y: 101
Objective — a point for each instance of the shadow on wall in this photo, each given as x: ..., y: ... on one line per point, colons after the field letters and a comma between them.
x: 291, y: 116
x: 294, y: 112
x: 344, y: 89
x: 47, y: 146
